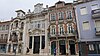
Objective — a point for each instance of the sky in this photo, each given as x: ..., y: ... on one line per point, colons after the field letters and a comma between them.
x: 8, y: 7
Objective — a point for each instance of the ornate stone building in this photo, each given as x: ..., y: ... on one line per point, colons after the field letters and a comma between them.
x: 16, y: 33
x: 62, y: 29
x: 37, y: 24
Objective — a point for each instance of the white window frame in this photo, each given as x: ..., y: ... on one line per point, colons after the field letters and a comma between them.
x: 60, y: 15
x: 53, y: 16
x: 91, y: 47
x: 86, y: 28
x: 83, y: 11
x: 61, y: 29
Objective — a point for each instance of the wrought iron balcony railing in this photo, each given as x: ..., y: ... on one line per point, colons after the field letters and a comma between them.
x: 96, y: 14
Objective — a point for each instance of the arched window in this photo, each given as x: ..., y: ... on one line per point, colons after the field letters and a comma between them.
x: 61, y: 30
x: 22, y: 25
x: 53, y: 30
x: 70, y: 28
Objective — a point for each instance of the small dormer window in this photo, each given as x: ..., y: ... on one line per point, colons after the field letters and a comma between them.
x: 18, y: 14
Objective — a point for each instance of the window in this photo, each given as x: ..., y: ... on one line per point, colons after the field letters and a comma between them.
x: 6, y: 36
x: 61, y: 29
x: 60, y: 15
x: 53, y: 17
x: 91, y: 47
x: 86, y: 25
x: 0, y: 27
x: 70, y: 28
x: 43, y: 24
x: 69, y: 15
x: 97, y: 25
x: 95, y: 6
x: 53, y: 30
x: 1, y: 36
x: 22, y: 25
x: 3, y: 27
x: 83, y: 11
x: 7, y: 27
x: 38, y: 25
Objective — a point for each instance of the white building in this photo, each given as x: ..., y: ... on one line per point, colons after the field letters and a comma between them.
x: 36, y: 30
x: 16, y: 33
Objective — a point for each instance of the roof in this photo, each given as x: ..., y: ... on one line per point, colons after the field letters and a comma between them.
x: 60, y: 2
x: 20, y: 11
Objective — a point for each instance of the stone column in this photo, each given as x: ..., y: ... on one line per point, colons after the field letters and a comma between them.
x: 40, y: 43
x: 7, y: 48
x: 11, y: 48
x: 32, y: 44
x: 46, y: 38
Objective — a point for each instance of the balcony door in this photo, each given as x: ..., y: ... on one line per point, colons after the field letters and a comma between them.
x: 97, y: 24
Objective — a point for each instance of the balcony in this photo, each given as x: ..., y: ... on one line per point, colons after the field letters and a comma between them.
x: 97, y: 29
x: 14, y: 40
x: 96, y: 14
x: 61, y: 20
x: 3, y: 40
x: 52, y: 21
x: 72, y: 33
x: 69, y: 19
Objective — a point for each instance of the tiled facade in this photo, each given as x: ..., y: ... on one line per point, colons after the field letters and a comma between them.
x: 88, y: 22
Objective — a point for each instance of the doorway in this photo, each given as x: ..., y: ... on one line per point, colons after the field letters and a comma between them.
x: 62, y: 47
x: 72, y: 47
x: 36, y: 44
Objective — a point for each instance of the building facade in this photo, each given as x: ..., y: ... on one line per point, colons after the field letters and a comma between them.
x: 4, y: 31
x: 62, y: 30
x: 16, y: 34
x: 88, y: 23
x: 37, y: 24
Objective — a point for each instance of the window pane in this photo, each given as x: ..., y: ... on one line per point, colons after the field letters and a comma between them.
x: 86, y: 25
x: 83, y: 11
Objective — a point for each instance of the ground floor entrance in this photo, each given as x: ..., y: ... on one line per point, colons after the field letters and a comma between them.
x: 36, y: 44
x: 2, y: 48
x: 62, y: 47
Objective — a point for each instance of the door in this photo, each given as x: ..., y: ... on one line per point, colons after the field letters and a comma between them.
x: 36, y: 44
x: 62, y: 47
x: 72, y: 47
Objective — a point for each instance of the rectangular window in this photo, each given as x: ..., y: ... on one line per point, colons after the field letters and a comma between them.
x: 0, y: 27
x: 1, y: 36
x: 86, y: 25
x: 3, y: 27
x: 91, y: 47
x: 95, y: 6
x: 7, y: 27
x: 53, y: 17
x: 97, y: 25
x: 6, y: 36
x: 83, y: 10
x: 30, y: 42
x: 60, y: 15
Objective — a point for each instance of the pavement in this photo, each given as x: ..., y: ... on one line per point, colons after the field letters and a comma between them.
x: 28, y: 55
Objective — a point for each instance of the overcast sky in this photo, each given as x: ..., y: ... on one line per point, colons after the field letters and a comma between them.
x: 8, y: 7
